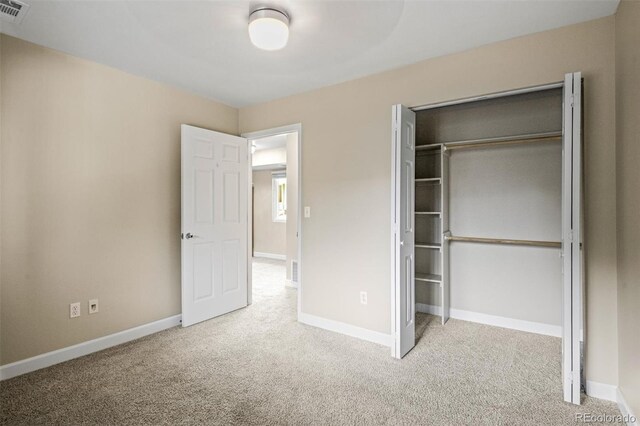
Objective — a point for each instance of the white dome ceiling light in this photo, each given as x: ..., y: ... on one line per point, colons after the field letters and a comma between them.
x: 269, y: 28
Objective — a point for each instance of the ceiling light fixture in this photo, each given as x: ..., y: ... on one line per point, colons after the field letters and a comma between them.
x: 269, y: 28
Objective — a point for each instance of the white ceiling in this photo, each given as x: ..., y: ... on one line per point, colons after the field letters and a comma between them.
x: 270, y: 142
x: 204, y: 47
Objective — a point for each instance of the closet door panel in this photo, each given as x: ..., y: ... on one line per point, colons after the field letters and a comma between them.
x: 572, y: 240
x: 403, y: 311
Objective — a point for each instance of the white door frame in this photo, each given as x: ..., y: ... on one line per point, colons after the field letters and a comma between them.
x: 297, y: 128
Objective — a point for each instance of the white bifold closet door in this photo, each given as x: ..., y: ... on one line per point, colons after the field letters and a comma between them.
x: 215, y: 226
x: 572, y: 248
x: 404, y: 123
x: 403, y: 260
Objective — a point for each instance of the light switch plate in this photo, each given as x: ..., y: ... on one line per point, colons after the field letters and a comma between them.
x: 307, y: 211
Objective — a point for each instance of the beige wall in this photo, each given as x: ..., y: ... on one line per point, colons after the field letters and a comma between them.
x: 292, y: 200
x: 628, y: 193
x: 268, y: 236
x: 1, y: 198
x: 90, y: 197
x: 346, y: 170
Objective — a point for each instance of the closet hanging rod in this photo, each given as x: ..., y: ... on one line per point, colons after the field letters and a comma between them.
x: 552, y: 244
x: 553, y: 137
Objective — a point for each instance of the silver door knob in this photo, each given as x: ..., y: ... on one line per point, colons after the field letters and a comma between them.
x: 189, y: 235
x: 401, y: 243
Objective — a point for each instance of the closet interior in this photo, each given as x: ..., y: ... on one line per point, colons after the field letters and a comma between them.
x: 488, y: 201
x: 487, y: 216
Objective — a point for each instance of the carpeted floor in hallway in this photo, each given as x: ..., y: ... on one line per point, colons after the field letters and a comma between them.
x: 260, y: 366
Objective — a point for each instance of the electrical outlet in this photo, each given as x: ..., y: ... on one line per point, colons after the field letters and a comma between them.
x: 74, y: 310
x: 93, y: 306
x: 363, y: 297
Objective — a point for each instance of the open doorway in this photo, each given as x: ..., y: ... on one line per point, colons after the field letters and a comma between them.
x: 275, y: 212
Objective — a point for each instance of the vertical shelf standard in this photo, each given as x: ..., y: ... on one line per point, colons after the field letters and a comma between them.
x: 431, y: 197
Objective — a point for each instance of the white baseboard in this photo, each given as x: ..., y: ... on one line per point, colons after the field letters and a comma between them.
x: 504, y: 322
x: 602, y: 391
x: 428, y: 309
x: 270, y: 255
x: 85, y: 348
x: 289, y: 283
x: 348, y: 329
x: 625, y: 409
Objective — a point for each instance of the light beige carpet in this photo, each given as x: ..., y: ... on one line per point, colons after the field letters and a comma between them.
x: 259, y: 366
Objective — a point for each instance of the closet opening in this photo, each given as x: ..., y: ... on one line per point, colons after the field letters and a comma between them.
x: 486, y: 218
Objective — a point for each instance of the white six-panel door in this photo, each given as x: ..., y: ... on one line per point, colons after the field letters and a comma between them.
x: 214, y: 224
